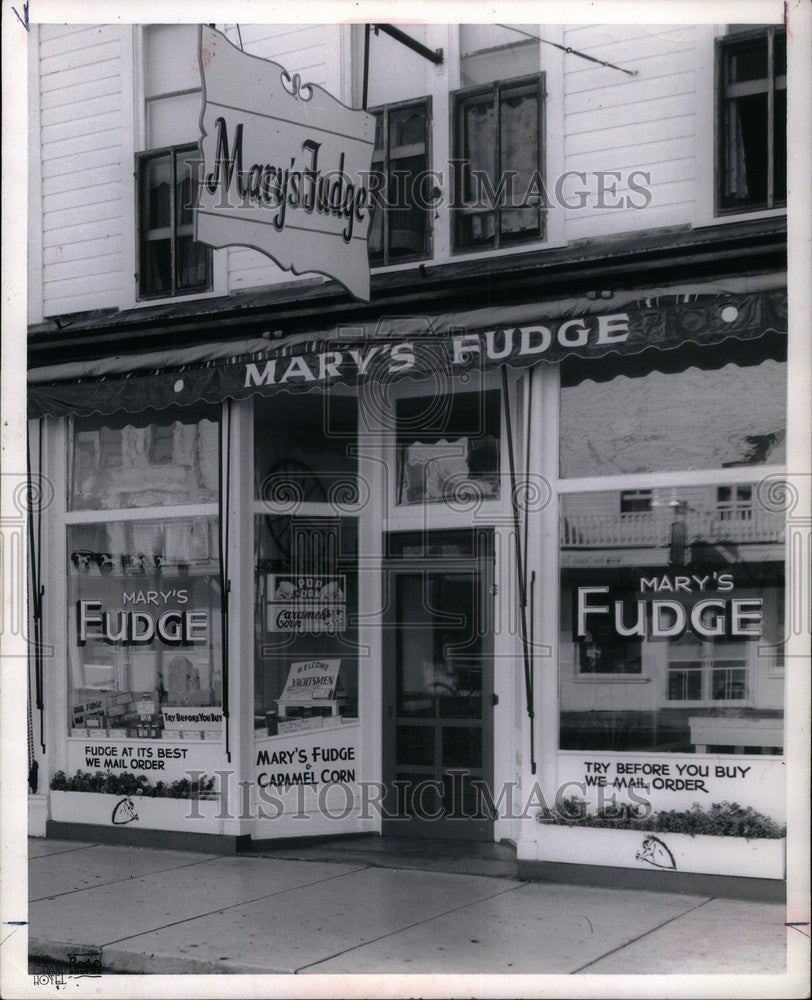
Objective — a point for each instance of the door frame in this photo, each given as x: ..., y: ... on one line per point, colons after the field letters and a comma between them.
x: 480, y: 564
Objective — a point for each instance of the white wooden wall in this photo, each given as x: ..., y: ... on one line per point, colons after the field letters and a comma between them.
x: 82, y: 116
x: 647, y: 122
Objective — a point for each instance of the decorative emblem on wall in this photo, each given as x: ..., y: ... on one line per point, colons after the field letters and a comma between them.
x: 655, y: 852
x: 124, y: 812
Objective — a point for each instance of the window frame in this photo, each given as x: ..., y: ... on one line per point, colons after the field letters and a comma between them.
x: 721, y: 44
x: 548, y: 383
x: 385, y: 110
x: 706, y: 669
x: 68, y: 518
x: 142, y: 158
x: 456, y: 127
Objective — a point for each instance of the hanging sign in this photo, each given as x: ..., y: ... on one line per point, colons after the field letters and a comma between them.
x: 285, y: 167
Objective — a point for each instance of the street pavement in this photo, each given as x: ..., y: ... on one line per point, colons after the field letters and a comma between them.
x: 160, y: 911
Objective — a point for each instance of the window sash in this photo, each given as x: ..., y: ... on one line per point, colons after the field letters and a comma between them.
x: 494, y: 94
x: 382, y: 160
x: 728, y: 94
x: 174, y: 232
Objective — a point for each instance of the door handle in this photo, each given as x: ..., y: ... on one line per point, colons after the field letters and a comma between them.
x: 493, y: 699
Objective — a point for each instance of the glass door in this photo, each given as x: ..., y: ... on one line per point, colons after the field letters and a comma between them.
x: 438, y: 689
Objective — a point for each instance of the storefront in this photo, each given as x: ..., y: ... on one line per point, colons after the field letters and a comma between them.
x: 507, y: 574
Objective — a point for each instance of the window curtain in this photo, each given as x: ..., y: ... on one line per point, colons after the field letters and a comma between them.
x: 519, y: 154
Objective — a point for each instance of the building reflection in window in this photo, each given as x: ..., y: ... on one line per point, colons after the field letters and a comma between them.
x: 671, y: 622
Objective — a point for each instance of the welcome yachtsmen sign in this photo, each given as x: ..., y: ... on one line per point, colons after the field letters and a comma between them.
x: 285, y: 167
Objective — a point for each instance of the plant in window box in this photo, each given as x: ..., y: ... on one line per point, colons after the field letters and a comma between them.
x: 94, y: 798
x: 726, y: 839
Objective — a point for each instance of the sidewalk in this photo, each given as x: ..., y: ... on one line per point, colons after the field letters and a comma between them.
x: 153, y: 911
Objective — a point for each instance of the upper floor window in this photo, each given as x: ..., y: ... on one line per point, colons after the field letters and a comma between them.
x: 498, y: 140
x: 400, y: 227
x: 170, y: 262
x: 752, y: 123
x: 635, y: 501
x: 735, y: 503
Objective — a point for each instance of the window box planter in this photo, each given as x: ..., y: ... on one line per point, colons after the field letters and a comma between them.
x: 136, y: 811
x: 681, y: 852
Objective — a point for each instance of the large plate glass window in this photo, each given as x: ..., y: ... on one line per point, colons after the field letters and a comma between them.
x: 144, y: 648
x: 143, y: 595
x: 672, y: 621
x: 155, y: 458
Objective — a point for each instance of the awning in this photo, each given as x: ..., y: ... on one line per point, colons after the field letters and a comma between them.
x: 414, y: 346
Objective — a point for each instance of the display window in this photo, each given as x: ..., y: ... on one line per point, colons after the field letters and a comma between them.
x: 306, y: 624
x: 145, y: 656
x: 144, y: 649
x: 671, y: 622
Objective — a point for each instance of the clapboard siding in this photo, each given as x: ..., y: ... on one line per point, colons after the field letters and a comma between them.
x: 630, y: 113
x: 65, y: 97
x: 67, y: 181
x: 106, y: 263
x: 81, y: 143
x: 84, y: 127
x: 80, y: 249
x: 81, y: 74
x: 608, y: 138
x: 87, y: 35
x: 65, y: 236
x: 648, y: 68
x: 86, y: 56
x: 647, y: 122
x: 89, y: 107
x: 255, y: 33
x: 106, y: 155
x: 645, y: 154
x: 77, y: 216
x: 300, y: 49
x: 668, y: 85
